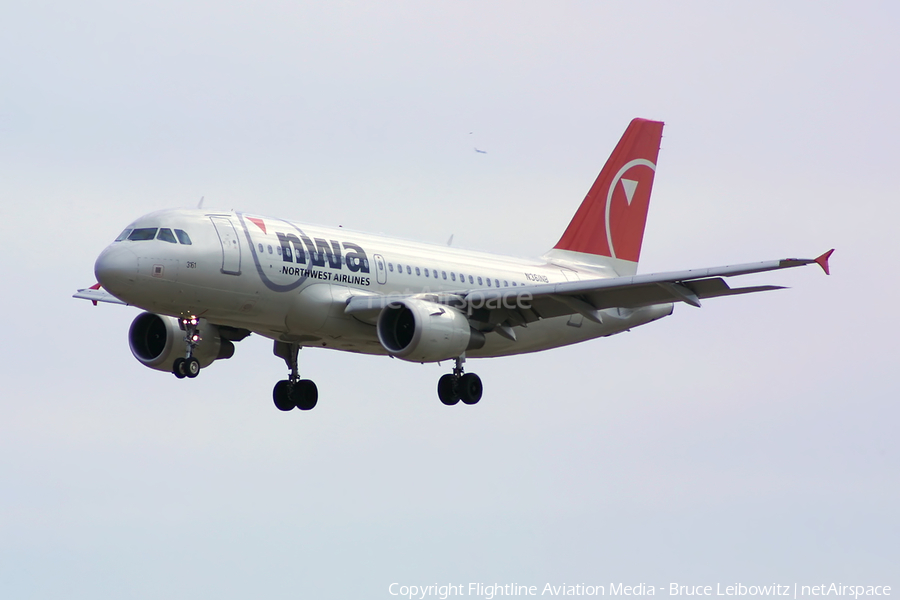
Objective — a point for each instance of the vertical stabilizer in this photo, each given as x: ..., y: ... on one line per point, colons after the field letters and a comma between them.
x: 608, y: 229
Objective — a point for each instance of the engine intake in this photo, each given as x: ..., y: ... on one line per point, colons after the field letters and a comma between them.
x: 157, y: 340
x: 422, y: 331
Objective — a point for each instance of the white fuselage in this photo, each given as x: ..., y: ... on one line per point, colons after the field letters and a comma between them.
x: 291, y: 282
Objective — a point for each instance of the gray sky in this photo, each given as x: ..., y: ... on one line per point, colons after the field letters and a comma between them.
x: 753, y: 440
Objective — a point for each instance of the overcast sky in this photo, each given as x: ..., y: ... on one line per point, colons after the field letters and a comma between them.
x: 753, y: 440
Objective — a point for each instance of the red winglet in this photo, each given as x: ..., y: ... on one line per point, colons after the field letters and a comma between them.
x: 822, y: 261
x: 96, y: 286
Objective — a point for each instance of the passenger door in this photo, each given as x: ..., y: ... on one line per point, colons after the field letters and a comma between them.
x: 380, y: 269
x: 231, y: 247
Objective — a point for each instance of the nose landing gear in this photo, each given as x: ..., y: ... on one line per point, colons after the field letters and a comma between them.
x: 188, y: 366
x: 293, y: 392
x: 457, y: 386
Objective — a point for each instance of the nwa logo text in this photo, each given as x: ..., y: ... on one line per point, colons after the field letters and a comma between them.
x: 320, y: 251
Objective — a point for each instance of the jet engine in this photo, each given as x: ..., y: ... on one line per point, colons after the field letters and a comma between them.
x: 422, y: 331
x: 157, y: 340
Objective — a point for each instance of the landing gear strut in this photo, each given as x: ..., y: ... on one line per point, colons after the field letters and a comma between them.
x: 188, y: 366
x: 457, y: 386
x: 293, y: 392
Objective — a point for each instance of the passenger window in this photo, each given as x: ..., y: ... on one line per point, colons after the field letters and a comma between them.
x: 391, y: 267
x: 123, y: 235
x: 434, y: 273
x: 489, y: 282
x: 400, y: 268
x: 496, y: 283
x: 444, y: 275
x: 408, y: 270
x: 426, y: 272
x: 260, y: 248
x: 165, y: 234
x: 278, y: 250
x: 418, y: 273
x: 139, y: 235
x: 462, y: 278
x: 270, y: 249
x: 453, y: 276
x: 480, y: 282
x: 505, y: 283
x: 514, y: 284
x: 183, y: 237
x: 472, y: 280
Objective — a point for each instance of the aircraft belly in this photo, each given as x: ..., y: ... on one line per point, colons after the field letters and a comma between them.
x: 541, y: 335
x: 319, y: 310
x: 563, y: 331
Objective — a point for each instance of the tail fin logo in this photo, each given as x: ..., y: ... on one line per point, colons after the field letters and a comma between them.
x: 629, y: 186
x: 610, y: 221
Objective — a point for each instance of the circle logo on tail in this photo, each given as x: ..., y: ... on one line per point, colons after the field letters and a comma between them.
x: 630, y: 188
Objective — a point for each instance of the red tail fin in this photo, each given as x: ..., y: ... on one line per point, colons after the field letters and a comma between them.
x: 610, y: 221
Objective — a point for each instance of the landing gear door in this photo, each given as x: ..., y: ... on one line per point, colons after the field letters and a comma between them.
x: 380, y: 269
x: 231, y: 247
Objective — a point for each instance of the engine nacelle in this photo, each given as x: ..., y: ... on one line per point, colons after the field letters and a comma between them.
x: 157, y: 340
x: 422, y: 331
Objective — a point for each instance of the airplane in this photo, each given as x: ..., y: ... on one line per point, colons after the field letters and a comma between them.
x: 207, y: 279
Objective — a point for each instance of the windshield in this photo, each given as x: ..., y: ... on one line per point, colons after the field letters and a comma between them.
x: 146, y: 233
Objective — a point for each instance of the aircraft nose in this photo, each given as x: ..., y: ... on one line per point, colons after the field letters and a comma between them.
x: 116, y: 267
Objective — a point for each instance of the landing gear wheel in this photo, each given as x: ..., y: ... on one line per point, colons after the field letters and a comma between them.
x: 188, y: 366
x: 305, y: 394
x: 281, y: 396
x: 178, y: 368
x: 293, y: 392
x: 191, y: 367
x: 470, y: 388
x: 447, y: 390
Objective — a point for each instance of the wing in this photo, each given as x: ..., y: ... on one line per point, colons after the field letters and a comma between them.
x: 522, y: 305
x: 96, y: 294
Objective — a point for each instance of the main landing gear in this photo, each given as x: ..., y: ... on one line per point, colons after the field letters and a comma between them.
x: 188, y: 366
x: 457, y: 386
x: 293, y: 392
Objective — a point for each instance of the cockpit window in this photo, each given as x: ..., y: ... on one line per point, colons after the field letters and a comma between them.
x: 165, y: 234
x: 183, y: 237
x: 147, y: 233
x: 123, y: 235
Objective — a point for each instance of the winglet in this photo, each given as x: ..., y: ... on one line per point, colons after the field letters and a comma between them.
x: 822, y: 261
x: 96, y: 286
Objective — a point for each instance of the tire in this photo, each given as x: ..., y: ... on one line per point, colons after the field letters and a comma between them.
x: 281, y: 396
x: 178, y: 368
x: 470, y: 388
x: 191, y: 367
x: 447, y: 390
x: 305, y: 394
